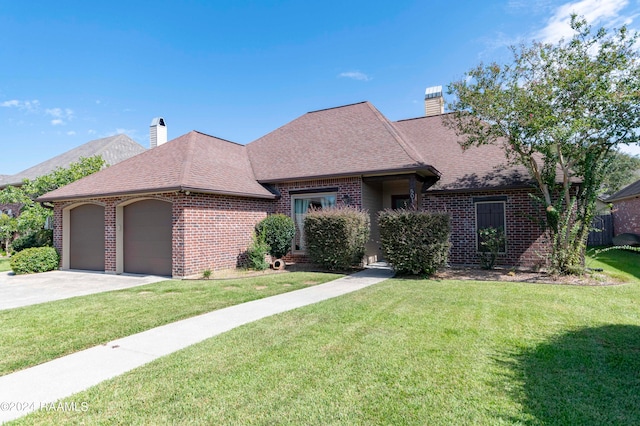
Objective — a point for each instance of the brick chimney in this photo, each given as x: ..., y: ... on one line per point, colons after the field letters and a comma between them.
x: 157, y: 132
x: 433, y: 101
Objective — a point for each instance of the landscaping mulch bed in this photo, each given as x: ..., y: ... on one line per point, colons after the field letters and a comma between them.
x: 229, y: 274
x: 499, y: 274
x: 451, y: 273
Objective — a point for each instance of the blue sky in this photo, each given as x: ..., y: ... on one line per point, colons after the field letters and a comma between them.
x: 74, y: 71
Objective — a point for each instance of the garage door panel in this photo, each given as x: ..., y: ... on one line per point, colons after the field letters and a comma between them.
x: 147, y: 237
x: 86, y: 237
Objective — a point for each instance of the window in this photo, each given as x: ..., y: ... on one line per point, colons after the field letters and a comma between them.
x: 490, y: 214
x: 301, y: 205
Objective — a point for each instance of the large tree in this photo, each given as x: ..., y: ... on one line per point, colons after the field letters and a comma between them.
x: 34, y: 215
x: 561, y: 110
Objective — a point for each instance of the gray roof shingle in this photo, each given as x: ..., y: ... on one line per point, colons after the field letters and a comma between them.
x: 471, y: 168
x: 192, y: 162
x: 113, y: 150
x: 348, y: 140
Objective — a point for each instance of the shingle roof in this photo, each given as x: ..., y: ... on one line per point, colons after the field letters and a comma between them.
x: 113, y: 150
x: 348, y: 140
x: 471, y: 168
x: 195, y: 162
x: 632, y: 190
x: 344, y: 141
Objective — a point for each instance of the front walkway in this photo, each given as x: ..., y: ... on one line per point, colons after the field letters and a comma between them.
x: 63, y: 377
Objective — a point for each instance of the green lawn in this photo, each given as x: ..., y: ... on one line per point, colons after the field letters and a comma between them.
x: 400, y: 352
x: 4, y: 264
x: 621, y: 264
x: 35, y: 334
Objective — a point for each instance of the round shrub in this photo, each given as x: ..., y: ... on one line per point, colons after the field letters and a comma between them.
x: 278, y: 231
x: 40, y: 238
x: 36, y: 259
x: 336, y: 237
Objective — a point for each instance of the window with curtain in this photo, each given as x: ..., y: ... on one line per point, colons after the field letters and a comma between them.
x: 301, y: 205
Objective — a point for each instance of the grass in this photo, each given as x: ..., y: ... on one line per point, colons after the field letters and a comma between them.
x: 34, y: 334
x: 4, y: 264
x: 623, y: 265
x: 401, y: 352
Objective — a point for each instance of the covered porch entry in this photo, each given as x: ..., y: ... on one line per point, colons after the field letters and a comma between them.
x: 395, y: 191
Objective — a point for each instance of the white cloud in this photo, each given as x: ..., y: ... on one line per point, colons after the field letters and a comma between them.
x: 65, y: 113
x: 12, y: 103
x: 71, y: 133
x: 91, y: 132
x: 28, y: 106
x: 597, y: 13
x: 355, y: 75
x: 61, y: 115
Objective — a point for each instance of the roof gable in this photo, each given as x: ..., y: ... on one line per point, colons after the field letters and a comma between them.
x: 193, y: 162
x: 629, y: 191
x: 352, y: 139
x: 113, y: 150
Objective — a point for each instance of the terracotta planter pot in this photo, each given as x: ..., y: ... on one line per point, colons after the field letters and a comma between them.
x: 278, y: 264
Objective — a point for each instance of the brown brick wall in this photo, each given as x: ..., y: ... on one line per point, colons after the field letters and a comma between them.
x: 626, y: 216
x: 351, y: 187
x: 214, y: 231
x: 209, y: 231
x: 527, y: 243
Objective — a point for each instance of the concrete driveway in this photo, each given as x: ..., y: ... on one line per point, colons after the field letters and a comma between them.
x: 24, y: 290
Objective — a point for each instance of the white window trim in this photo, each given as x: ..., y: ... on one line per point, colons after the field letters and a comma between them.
x: 504, y: 213
x: 293, y: 213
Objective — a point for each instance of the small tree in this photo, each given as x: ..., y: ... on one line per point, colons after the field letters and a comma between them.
x: 561, y: 111
x: 34, y: 215
x: 8, y: 227
x: 278, y: 231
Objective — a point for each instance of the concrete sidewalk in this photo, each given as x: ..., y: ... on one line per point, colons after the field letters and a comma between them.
x: 63, y: 377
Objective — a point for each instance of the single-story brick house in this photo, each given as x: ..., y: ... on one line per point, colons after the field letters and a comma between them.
x: 626, y: 209
x: 191, y: 204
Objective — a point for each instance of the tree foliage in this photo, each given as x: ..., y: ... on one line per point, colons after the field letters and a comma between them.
x: 33, y: 215
x: 561, y: 110
x: 624, y: 169
x: 8, y: 226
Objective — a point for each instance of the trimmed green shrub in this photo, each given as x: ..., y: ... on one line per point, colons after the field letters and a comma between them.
x: 414, y: 242
x: 492, y: 241
x: 40, y: 238
x: 336, y: 237
x: 278, y: 231
x: 35, y: 259
x: 256, y: 253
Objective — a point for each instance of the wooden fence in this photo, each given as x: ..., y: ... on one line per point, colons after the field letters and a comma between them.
x: 602, y: 233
